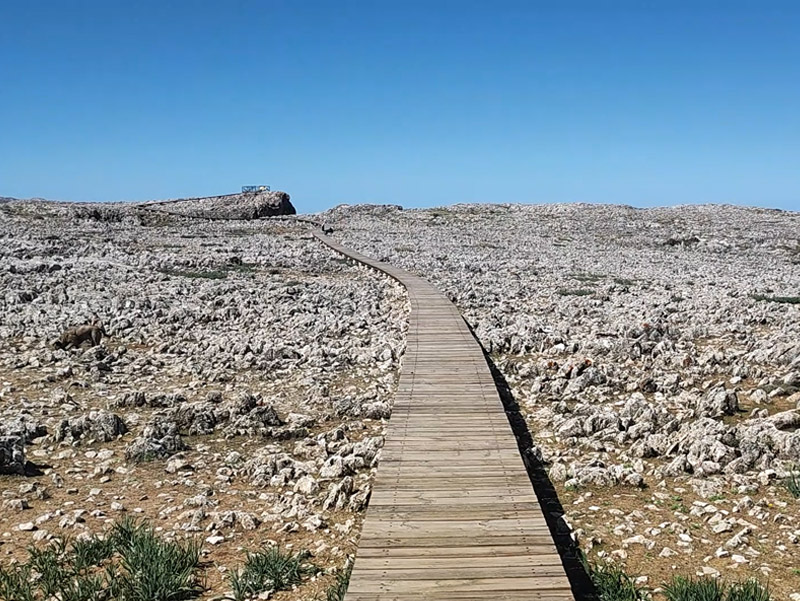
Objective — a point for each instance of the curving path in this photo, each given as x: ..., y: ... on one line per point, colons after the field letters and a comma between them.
x: 453, y: 515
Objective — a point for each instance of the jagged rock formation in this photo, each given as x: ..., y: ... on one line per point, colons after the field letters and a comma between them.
x: 246, y: 205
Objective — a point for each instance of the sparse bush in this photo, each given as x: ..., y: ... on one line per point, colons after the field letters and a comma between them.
x: 156, y: 569
x: 749, y: 590
x: 269, y: 569
x: 570, y: 292
x: 337, y: 590
x: 614, y: 584
x: 791, y: 300
x: 14, y: 583
x: 792, y: 484
x: 139, y: 566
x: 694, y: 589
x: 711, y: 589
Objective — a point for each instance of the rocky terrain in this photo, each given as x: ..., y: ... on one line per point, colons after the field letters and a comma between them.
x: 239, y: 398
x: 655, y: 355
x: 241, y: 394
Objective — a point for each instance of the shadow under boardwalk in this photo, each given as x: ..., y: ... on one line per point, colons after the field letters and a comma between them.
x: 452, y: 515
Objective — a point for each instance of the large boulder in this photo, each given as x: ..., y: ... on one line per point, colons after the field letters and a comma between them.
x: 158, y: 440
x: 102, y: 426
x: 247, y: 205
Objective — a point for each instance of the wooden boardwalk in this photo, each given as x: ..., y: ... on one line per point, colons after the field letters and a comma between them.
x: 453, y: 515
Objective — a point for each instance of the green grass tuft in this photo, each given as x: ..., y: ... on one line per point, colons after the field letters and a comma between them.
x: 269, y: 569
x: 14, y: 583
x: 792, y: 484
x: 158, y: 570
x: 570, y: 292
x: 614, y: 584
x: 791, y: 300
x: 338, y: 589
x: 694, y: 589
x: 89, y: 553
x: 710, y: 589
x: 132, y: 564
x: 749, y: 590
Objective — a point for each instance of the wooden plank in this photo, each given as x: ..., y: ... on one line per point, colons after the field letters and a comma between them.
x: 472, y: 572
x: 472, y: 585
x: 461, y: 552
x: 474, y: 540
x: 474, y: 561
x: 543, y: 595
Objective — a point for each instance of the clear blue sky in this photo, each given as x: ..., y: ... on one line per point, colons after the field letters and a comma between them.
x: 417, y: 103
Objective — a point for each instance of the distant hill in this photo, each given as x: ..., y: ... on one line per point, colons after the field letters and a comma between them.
x: 242, y: 205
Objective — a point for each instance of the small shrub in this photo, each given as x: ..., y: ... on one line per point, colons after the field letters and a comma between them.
x: 269, y: 569
x: 570, y: 292
x: 14, y: 583
x: 614, y: 584
x: 749, y: 590
x: 694, y: 589
x: 157, y: 569
x: 792, y: 300
x: 91, y: 552
x: 792, y: 484
x: 337, y: 590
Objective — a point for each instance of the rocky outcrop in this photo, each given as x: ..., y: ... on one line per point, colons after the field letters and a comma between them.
x: 246, y: 205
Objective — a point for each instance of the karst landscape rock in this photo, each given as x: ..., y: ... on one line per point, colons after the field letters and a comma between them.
x: 244, y: 388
